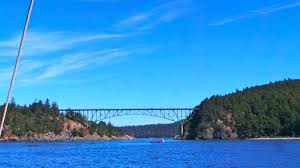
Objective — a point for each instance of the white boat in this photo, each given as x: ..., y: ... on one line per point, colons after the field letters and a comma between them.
x: 158, y: 141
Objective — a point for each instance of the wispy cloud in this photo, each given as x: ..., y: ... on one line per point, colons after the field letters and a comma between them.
x: 134, y: 20
x: 38, y: 42
x: 80, y: 61
x: 253, y: 13
x: 65, y: 52
x: 34, y: 71
x: 163, y: 13
x: 26, y: 68
x: 5, y: 73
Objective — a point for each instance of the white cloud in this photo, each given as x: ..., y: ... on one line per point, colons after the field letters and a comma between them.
x: 133, y: 20
x: 262, y: 11
x: 26, y: 68
x: 163, y: 13
x: 37, y: 42
x: 64, y: 51
x: 56, y: 43
x: 31, y: 71
x: 5, y: 74
x: 165, y: 18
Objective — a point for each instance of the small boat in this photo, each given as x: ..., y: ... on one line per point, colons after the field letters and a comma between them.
x: 158, y: 141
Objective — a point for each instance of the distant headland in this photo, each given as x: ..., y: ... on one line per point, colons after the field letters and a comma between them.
x: 267, y: 111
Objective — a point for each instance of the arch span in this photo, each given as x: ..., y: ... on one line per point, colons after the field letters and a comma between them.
x: 171, y: 114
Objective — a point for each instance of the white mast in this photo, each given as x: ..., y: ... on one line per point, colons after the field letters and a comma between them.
x: 16, y: 65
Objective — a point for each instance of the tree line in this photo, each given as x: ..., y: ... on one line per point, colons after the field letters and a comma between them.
x: 153, y: 130
x: 42, y: 117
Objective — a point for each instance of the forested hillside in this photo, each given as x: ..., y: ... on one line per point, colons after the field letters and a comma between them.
x: 153, y: 130
x: 42, y: 118
x: 270, y: 110
x: 37, y: 117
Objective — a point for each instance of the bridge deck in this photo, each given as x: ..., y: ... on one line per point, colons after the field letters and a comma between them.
x: 142, y: 109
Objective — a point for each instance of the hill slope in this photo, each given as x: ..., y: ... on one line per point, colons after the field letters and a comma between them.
x: 153, y: 130
x: 270, y: 110
x: 42, y: 121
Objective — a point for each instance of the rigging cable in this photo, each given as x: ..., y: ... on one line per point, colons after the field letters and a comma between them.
x: 16, y: 65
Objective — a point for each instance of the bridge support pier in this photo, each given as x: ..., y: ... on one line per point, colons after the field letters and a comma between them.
x: 181, y: 129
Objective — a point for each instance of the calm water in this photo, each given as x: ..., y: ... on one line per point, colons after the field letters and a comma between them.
x: 141, y: 153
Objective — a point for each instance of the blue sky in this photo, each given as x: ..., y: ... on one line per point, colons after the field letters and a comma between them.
x: 159, y: 53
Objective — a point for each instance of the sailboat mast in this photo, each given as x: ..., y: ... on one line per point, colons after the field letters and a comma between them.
x: 16, y: 65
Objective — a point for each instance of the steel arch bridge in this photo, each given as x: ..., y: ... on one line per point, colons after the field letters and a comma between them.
x: 171, y: 114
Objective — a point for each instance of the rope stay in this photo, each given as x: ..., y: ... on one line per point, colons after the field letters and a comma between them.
x: 16, y: 65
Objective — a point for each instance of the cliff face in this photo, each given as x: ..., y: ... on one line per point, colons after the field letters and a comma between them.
x: 263, y: 111
x: 219, y: 129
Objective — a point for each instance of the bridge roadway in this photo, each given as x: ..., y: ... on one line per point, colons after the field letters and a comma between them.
x: 171, y: 114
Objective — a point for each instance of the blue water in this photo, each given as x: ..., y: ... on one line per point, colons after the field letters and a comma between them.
x: 141, y: 153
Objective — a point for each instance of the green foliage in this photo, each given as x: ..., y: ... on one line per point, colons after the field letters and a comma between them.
x: 41, y: 117
x: 93, y: 128
x: 101, y: 128
x: 270, y: 110
x: 77, y: 117
x: 38, y: 117
x: 76, y: 132
x: 153, y: 130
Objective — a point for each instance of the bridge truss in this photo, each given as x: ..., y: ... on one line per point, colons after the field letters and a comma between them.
x: 171, y: 114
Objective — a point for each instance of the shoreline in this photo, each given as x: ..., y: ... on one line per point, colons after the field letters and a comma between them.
x: 275, y: 138
x: 68, y: 140
x: 122, y: 138
x: 65, y: 139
